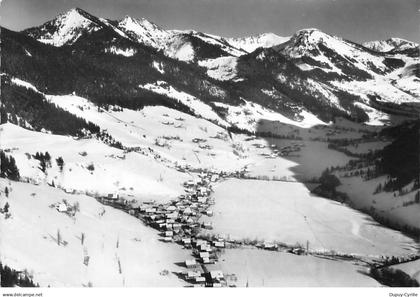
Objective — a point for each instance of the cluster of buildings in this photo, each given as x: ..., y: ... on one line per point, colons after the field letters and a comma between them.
x: 283, y: 151
x: 178, y: 222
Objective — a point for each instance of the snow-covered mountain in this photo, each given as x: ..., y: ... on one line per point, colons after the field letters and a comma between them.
x: 330, y: 53
x: 272, y: 71
x: 391, y: 44
x: 66, y: 28
x: 251, y: 43
x: 346, y: 67
x: 93, y: 108
x: 144, y: 31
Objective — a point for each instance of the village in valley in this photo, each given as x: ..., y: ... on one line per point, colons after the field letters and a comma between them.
x: 207, y: 219
x: 137, y: 156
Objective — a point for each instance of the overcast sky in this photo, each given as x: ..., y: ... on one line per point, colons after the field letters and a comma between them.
x: 357, y: 20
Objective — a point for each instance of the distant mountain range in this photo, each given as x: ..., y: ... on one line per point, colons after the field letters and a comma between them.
x: 134, y: 62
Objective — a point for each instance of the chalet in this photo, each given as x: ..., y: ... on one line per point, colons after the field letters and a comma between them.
x: 167, y: 239
x: 207, y: 261
x: 191, y: 263
x: 150, y: 210
x: 176, y: 226
x: 269, y: 246
x: 192, y: 275
x: 216, y: 275
x: 189, y: 191
x: 172, y: 215
x: 171, y: 208
x: 199, y: 242
x: 219, y: 244
x: 169, y: 233
x: 187, y: 211
x: 202, y: 200
x: 207, y: 225
x: 186, y: 241
x: 189, y: 183
x: 202, y: 190
x: 298, y: 251
x: 62, y: 207
x: 150, y: 202
x: 112, y: 196
x: 205, y: 247
x: 204, y: 255
x: 200, y: 279
x: 208, y: 213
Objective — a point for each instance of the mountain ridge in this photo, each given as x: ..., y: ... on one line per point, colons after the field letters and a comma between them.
x: 311, y: 71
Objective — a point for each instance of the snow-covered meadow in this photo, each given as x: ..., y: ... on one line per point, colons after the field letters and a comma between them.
x: 286, y: 212
x: 99, y: 245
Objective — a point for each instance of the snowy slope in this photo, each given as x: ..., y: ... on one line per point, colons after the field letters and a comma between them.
x: 222, y: 43
x: 223, y: 68
x: 169, y: 133
x: 197, y: 106
x: 144, y: 31
x: 391, y: 44
x: 384, y: 204
x: 66, y: 28
x: 248, y: 116
x: 131, y: 174
x: 333, y: 53
x: 251, y: 43
x: 121, y: 250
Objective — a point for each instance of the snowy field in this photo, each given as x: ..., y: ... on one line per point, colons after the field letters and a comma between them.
x: 169, y: 132
x: 286, y: 212
x: 312, y: 159
x: 130, y: 174
x: 260, y: 268
x: 411, y: 268
x: 122, y: 251
x: 384, y: 204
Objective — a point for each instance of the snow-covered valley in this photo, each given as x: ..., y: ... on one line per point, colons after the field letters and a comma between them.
x: 133, y: 155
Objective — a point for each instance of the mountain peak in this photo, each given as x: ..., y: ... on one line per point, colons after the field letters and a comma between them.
x: 75, y: 13
x: 251, y: 43
x: 310, y: 35
x: 66, y: 28
x: 145, y: 23
x: 142, y: 30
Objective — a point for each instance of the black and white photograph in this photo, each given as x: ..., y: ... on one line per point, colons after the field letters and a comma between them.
x: 209, y: 144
